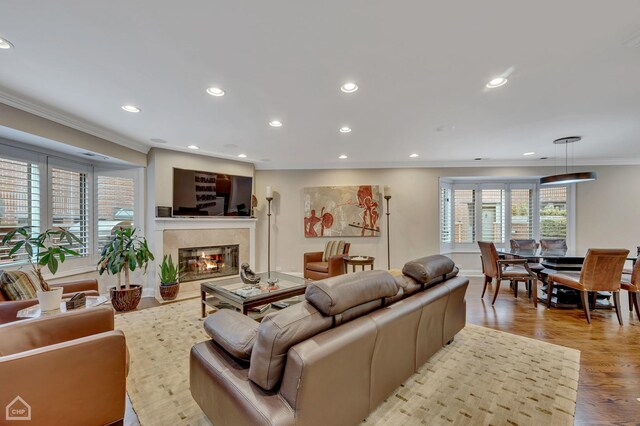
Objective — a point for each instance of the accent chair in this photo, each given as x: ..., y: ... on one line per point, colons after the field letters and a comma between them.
x: 319, y: 265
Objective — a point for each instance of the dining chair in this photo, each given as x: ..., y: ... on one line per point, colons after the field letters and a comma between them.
x: 553, y: 244
x: 633, y: 286
x: 505, y: 269
x: 528, y: 245
x: 601, y: 271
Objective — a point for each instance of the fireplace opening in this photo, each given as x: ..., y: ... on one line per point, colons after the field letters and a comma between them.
x: 201, y: 263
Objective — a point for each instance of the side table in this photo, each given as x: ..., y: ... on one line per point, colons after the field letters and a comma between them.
x: 358, y: 261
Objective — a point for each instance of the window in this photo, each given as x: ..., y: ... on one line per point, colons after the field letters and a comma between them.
x: 464, y: 215
x: 553, y: 212
x: 116, y: 205
x: 45, y: 191
x: 498, y: 211
x: 19, y: 201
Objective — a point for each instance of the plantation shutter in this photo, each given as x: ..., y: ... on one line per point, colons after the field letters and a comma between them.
x: 19, y: 202
x: 493, y: 215
x: 553, y: 212
x: 522, y: 213
x: 464, y: 227
x: 445, y: 215
x: 115, y: 205
x: 70, y: 205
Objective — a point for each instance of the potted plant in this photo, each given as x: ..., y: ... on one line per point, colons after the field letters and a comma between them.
x: 42, y: 251
x: 169, y: 278
x: 125, y: 252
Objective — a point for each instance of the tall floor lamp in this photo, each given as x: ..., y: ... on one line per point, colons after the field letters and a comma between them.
x: 269, y: 200
x: 387, y: 196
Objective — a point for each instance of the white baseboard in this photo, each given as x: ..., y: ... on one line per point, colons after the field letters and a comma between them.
x: 470, y: 273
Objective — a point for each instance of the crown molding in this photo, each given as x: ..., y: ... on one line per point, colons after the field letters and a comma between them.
x: 70, y: 121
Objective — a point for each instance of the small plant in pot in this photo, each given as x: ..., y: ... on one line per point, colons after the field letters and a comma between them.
x: 42, y: 251
x: 169, y: 278
x: 125, y: 252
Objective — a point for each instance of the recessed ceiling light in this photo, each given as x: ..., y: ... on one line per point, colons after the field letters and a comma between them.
x: 529, y: 153
x: 478, y: 158
x: 242, y: 155
x: 345, y: 129
x: 414, y: 155
x: 275, y: 123
x: 157, y: 140
x: 497, y: 82
x: 130, y: 108
x: 215, y: 91
x: 349, y: 87
x: 193, y: 147
x: 343, y: 157
x: 5, y: 44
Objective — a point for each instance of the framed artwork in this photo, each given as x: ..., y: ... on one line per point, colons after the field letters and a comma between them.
x: 342, y: 211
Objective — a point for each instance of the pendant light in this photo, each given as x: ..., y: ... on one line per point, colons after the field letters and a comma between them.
x: 567, y: 177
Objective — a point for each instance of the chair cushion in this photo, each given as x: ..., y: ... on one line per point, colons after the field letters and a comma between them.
x: 276, y: 334
x: 337, y: 294
x: 427, y: 268
x: 19, y: 285
x: 570, y: 279
x: 332, y: 248
x: 235, y: 332
x: 515, y: 271
x: 318, y: 266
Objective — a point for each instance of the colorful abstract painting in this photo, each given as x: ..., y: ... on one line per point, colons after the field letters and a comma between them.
x: 342, y: 211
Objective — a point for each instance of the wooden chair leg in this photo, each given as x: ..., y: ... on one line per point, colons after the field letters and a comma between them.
x: 616, y: 302
x: 585, y: 304
x: 634, y: 297
x: 515, y: 288
x: 495, y: 294
x: 549, y: 293
x: 533, y: 292
x: 630, y: 301
x: 487, y: 280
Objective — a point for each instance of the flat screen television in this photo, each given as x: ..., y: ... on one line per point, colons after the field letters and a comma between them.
x: 198, y: 193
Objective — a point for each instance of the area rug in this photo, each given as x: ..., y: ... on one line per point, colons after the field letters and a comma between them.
x: 484, y: 377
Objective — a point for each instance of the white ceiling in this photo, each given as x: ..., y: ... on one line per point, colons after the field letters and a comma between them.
x: 420, y: 65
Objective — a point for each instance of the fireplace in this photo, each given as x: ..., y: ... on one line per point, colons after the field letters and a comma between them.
x: 202, y: 263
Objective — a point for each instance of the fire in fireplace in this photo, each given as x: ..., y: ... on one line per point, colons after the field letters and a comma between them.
x: 208, y: 262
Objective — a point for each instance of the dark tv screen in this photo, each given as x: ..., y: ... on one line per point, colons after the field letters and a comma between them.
x: 198, y: 193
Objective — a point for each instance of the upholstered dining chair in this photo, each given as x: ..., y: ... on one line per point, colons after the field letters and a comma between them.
x: 514, y: 270
x: 528, y: 245
x: 601, y: 271
x: 553, y: 244
x: 631, y: 283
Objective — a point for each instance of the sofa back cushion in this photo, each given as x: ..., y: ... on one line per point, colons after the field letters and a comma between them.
x: 18, y: 285
x: 335, y: 295
x: 276, y: 334
x: 428, y: 269
x: 333, y: 248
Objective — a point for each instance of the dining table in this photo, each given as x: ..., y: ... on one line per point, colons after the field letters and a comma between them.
x: 560, y: 260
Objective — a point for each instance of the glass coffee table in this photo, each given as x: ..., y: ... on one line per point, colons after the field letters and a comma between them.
x: 247, y: 297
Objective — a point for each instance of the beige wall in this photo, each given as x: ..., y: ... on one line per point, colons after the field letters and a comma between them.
x: 606, y: 211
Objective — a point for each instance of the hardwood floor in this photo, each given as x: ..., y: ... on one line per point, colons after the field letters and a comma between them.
x: 609, y: 385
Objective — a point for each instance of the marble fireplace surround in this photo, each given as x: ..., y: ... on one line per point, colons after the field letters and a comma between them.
x: 172, y: 233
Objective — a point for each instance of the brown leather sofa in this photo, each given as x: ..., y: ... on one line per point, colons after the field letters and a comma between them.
x: 9, y: 308
x: 70, y: 368
x: 333, y: 358
x: 317, y: 269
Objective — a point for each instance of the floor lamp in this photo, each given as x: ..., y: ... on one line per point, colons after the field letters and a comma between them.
x: 269, y: 200
x: 387, y: 196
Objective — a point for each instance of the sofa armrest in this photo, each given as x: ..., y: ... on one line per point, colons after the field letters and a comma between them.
x: 314, y: 256
x: 337, y: 265
x: 9, y: 309
x: 236, y: 333
x: 81, y: 381
x: 22, y: 336
x: 77, y: 286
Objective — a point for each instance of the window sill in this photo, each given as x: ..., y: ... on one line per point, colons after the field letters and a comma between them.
x: 61, y: 274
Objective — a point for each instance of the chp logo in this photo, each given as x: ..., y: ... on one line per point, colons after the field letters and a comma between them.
x: 18, y: 409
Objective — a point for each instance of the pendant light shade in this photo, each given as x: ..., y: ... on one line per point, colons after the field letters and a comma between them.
x: 567, y: 177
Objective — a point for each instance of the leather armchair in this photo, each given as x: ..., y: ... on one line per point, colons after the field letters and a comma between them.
x: 9, y: 308
x: 316, y: 269
x: 69, y: 368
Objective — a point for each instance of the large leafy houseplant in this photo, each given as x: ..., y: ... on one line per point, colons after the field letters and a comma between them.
x: 41, y: 249
x: 125, y: 252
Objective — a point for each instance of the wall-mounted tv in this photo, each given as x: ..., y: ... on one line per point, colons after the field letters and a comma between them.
x: 198, y: 193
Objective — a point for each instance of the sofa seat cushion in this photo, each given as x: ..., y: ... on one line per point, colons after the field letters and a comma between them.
x: 335, y: 295
x: 235, y: 332
x: 19, y: 285
x: 318, y: 266
x: 276, y: 334
x: 427, y: 269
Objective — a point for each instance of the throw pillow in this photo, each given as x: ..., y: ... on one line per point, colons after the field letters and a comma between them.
x: 18, y: 285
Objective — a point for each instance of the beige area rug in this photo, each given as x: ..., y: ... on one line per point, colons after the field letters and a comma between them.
x: 485, y: 377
